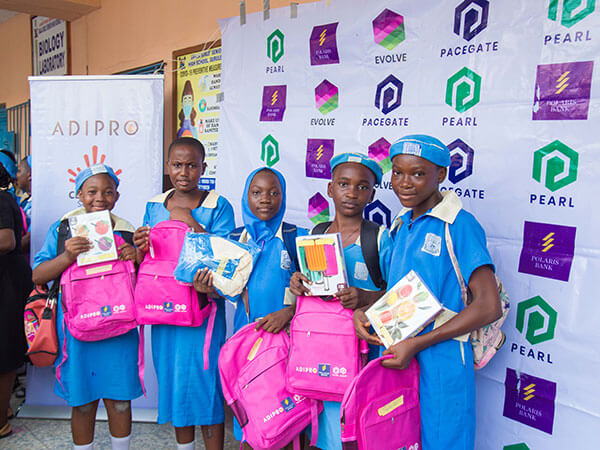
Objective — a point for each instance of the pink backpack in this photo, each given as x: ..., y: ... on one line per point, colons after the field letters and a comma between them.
x: 325, y: 354
x: 97, y: 299
x: 380, y: 409
x: 252, y: 367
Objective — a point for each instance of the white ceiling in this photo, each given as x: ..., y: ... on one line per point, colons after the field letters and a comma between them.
x: 5, y: 14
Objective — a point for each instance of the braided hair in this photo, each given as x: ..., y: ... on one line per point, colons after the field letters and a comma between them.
x: 5, y: 178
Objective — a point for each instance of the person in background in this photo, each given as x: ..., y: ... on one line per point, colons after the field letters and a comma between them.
x: 23, y: 194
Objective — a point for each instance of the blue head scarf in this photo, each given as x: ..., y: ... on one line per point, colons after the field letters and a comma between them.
x: 8, y: 164
x: 259, y: 230
x: 94, y: 170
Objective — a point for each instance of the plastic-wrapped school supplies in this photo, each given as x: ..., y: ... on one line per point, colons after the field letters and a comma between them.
x: 229, y: 261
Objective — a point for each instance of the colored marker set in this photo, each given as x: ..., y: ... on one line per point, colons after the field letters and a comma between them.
x: 322, y: 262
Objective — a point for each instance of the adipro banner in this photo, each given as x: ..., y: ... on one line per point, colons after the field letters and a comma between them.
x: 77, y: 122
x: 512, y: 88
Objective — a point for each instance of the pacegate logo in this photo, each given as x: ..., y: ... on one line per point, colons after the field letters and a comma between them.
x: 388, y: 29
x: 470, y: 18
x: 275, y: 46
x: 388, y: 95
x: 461, y: 161
x: 562, y: 91
x: 318, y: 154
x: 380, y: 152
x: 273, y: 103
x: 555, y: 165
x: 318, y: 209
x: 326, y: 97
x: 379, y: 213
x: 570, y: 12
x: 269, y: 151
x: 548, y: 250
x: 463, y: 90
x: 537, y: 319
x: 529, y: 400
x: 323, y: 45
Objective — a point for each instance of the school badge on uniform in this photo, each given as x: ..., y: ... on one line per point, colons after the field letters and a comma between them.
x: 432, y: 244
x: 360, y: 271
x: 286, y: 261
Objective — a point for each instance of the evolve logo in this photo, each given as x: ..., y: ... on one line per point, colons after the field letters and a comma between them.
x: 388, y: 29
x: 326, y: 97
x: 318, y: 209
x: 380, y: 152
x: 388, y: 95
x: 323, y: 45
x: 562, y: 91
x: 470, y: 18
x: 461, y: 161
x: 521, y: 446
x: 548, y: 250
x: 570, y: 12
x: 269, y: 151
x: 555, y: 165
x: 275, y: 46
x: 379, y: 213
x: 463, y: 90
x: 318, y: 154
x: 529, y: 400
x: 537, y: 319
x: 72, y: 173
x: 273, y: 103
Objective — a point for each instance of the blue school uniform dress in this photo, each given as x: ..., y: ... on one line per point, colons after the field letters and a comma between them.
x: 447, y: 378
x: 93, y: 370
x: 330, y: 434
x: 188, y: 394
x: 273, y: 259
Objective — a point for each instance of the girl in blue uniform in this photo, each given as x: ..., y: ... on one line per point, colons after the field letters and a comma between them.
x: 188, y: 395
x: 444, y: 353
x: 104, y: 369
x: 269, y: 303
x: 353, y: 177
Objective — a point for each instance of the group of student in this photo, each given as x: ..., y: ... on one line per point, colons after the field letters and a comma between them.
x: 188, y: 393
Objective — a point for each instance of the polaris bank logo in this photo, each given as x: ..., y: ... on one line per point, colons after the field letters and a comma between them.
x: 379, y: 213
x: 273, y: 103
x: 388, y: 95
x: 555, y: 165
x: 537, y: 319
x: 323, y: 45
x: 269, y: 151
x: 388, y: 29
x: 470, y: 18
x: 463, y: 90
x: 570, y: 12
x: 461, y: 161
x: 275, y: 46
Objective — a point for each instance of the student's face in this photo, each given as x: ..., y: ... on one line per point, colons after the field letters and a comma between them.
x: 264, y: 195
x: 98, y: 193
x: 24, y: 177
x: 351, y: 188
x: 186, y: 166
x: 415, y: 181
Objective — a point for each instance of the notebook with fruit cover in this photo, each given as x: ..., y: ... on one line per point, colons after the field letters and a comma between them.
x: 97, y: 227
x: 322, y: 261
x: 404, y: 310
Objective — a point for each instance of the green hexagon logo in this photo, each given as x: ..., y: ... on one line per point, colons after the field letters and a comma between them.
x: 269, y: 151
x: 537, y: 319
x: 463, y: 90
x: 570, y: 12
x: 275, y: 46
x: 555, y: 165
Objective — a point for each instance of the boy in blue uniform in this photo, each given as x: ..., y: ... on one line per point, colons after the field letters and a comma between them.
x: 444, y: 353
x: 353, y: 177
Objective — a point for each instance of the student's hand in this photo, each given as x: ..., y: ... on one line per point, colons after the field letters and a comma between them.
x: 349, y: 297
x: 403, y: 353
x: 141, y: 238
x: 203, y: 282
x: 296, y: 286
x: 274, y: 322
x: 126, y: 252
x: 185, y: 215
x: 77, y: 245
x: 361, y: 325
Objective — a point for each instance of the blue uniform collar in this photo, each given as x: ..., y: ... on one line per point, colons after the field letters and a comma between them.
x: 446, y: 210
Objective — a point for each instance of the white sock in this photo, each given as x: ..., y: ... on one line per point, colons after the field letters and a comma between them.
x: 89, y: 446
x: 120, y: 443
x: 188, y: 446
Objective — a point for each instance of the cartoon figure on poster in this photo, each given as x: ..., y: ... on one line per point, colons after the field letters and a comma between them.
x: 187, y: 114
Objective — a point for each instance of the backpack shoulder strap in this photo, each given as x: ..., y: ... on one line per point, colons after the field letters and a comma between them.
x: 321, y: 228
x: 289, y: 233
x: 236, y: 234
x: 64, y: 233
x: 127, y: 236
x: 450, y: 248
x: 369, y: 244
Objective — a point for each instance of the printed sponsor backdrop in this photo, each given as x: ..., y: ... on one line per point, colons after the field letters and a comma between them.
x: 512, y: 88
x: 76, y: 122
